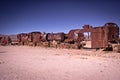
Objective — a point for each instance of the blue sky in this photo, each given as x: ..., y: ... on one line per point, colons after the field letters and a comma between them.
x: 18, y: 16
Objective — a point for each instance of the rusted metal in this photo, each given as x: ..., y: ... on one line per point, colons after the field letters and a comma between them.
x: 50, y: 36
x: 77, y: 35
x: 22, y: 38
x: 100, y: 36
x: 44, y: 37
x: 12, y: 39
x: 34, y: 37
x: 112, y: 32
x: 19, y: 38
x: 74, y: 36
x: 56, y: 36
x: 4, y: 41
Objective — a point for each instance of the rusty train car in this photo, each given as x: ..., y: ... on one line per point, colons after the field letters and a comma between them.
x: 8, y: 40
x: 22, y: 38
x: 99, y: 36
x: 34, y: 38
x: 102, y: 35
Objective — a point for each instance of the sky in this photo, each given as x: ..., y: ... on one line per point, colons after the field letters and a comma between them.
x: 23, y: 16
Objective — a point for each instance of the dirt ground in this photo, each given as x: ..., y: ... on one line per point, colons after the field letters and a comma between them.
x: 36, y: 63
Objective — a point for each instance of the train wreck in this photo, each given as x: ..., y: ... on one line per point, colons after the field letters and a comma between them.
x: 98, y: 37
x: 101, y: 36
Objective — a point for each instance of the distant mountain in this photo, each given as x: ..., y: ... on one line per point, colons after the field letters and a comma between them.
x: 13, y: 37
x: 2, y: 35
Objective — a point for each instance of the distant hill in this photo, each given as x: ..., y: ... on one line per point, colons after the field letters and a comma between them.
x: 2, y: 35
x: 13, y: 37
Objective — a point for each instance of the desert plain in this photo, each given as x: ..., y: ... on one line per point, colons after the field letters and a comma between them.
x: 38, y: 63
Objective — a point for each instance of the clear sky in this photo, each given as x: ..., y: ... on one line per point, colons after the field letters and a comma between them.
x: 18, y: 16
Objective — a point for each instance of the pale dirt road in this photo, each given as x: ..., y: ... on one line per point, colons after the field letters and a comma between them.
x: 36, y: 63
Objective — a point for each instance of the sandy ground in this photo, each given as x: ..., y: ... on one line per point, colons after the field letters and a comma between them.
x: 36, y: 63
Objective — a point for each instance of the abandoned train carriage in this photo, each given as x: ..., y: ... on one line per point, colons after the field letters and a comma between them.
x: 34, y: 38
x: 55, y: 36
x: 53, y: 39
x: 99, y: 37
x: 113, y: 32
x: 22, y: 39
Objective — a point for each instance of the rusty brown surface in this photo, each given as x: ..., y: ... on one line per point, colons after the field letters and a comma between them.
x: 34, y: 38
x: 44, y: 37
x: 19, y: 38
x: 4, y: 41
x: 22, y: 38
x: 56, y: 36
x: 100, y: 36
x: 72, y: 36
x: 113, y: 31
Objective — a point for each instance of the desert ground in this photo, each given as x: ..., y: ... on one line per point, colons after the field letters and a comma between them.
x: 37, y: 63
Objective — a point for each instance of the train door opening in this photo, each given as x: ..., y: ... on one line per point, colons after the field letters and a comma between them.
x: 87, y: 39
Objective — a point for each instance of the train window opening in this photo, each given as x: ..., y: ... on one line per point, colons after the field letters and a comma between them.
x: 76, y: 35
x: 87, y: 36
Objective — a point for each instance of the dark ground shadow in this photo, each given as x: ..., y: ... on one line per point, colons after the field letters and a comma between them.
x: 2, y: 52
